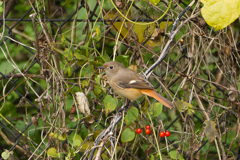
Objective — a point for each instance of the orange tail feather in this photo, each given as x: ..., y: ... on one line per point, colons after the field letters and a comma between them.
x: 158, y: 97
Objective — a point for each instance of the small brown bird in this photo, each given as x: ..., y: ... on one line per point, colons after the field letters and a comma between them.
x: 130, y: 84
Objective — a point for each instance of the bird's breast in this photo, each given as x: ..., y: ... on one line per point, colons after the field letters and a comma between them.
x: 130, y: 93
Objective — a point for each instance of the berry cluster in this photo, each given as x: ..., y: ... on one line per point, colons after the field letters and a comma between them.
x: 162, y: 134
x: 148, y: 131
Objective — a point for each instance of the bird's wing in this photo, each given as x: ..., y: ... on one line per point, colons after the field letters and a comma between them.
x: 132, y: 80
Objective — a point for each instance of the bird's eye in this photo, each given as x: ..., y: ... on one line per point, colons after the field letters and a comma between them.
x: 111, y: 67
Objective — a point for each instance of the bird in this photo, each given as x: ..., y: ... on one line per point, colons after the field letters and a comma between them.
x: 131, y: 85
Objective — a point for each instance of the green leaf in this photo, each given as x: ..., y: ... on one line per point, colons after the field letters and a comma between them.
x: 63, y: 39
x: 97, y: 79
x: 68, y: 54
x: 210, y: 130
x: 53, y: 153
x: 97, y: 90
x: 154, y: 2
x: 174, y: 155
x: 156, y: 109
x: 77, y: 140
x: 152, y: 157
x: 79, y: 56
x: 105, y: 56
x: 123, y: 59
x: 67, y: 91
x: 127, y: 135
x: 71, y: 152
x: 220, y: 13
x: 67, y: 2
x: 97, y: 33
x: 66, y: 70
x: 70, y: 71
x: 96, y: 64
x: 85, y: 83
x: 132, y: 115
x: 145, y: 146
x: 1, y: 9
x: 100, y: 59
x: 87, y: 72
x: 83, y: 50
x: 110, y: 104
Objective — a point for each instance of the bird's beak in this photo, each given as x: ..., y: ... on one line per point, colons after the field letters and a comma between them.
x: 101, y: 67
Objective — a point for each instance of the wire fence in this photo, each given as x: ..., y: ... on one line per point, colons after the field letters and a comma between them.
x: 200, y: 66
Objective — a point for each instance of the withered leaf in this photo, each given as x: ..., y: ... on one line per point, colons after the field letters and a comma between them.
x: 184, y: 106
x: 210, y: 130
x: 156, y: 36
x: 232, y: 95
x: 34, y: 120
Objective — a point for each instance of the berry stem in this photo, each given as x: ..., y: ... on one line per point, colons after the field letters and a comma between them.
x: 155, y: 136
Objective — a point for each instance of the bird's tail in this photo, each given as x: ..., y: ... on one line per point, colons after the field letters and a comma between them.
x: 158, y: 97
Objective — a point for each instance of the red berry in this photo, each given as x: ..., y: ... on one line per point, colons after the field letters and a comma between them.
x: 148, y: 131
x: 147, y: 127
x: 161, y: 134
x: 139, y: 130
x: 167, y: 133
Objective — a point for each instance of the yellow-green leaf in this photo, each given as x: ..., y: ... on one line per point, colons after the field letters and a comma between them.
x: 62, y: 137
x: 53, y: 153
x: 96, y: 33
x: 79, y: 56
x: 183, y: 106
x: 6, y: 154
x: 97, y: 133
x: 97, y: 90
x: 97, y: 79
x: 70, y: 71
x: 220, y: 13
x: 154, y: 2
x: 53, y: 135
x: 77, y: 140
x: 68, y: 54
x: 145, y: 106
x: 63, y: 39
x: 85, y: 83
x: 190, y: 111
x: 210, y: 130
x: 109, y: 103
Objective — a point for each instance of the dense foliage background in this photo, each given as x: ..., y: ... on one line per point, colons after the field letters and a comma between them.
x: 40, y: 76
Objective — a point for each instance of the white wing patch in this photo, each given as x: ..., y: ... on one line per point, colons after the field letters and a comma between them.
x: 132, y: 81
